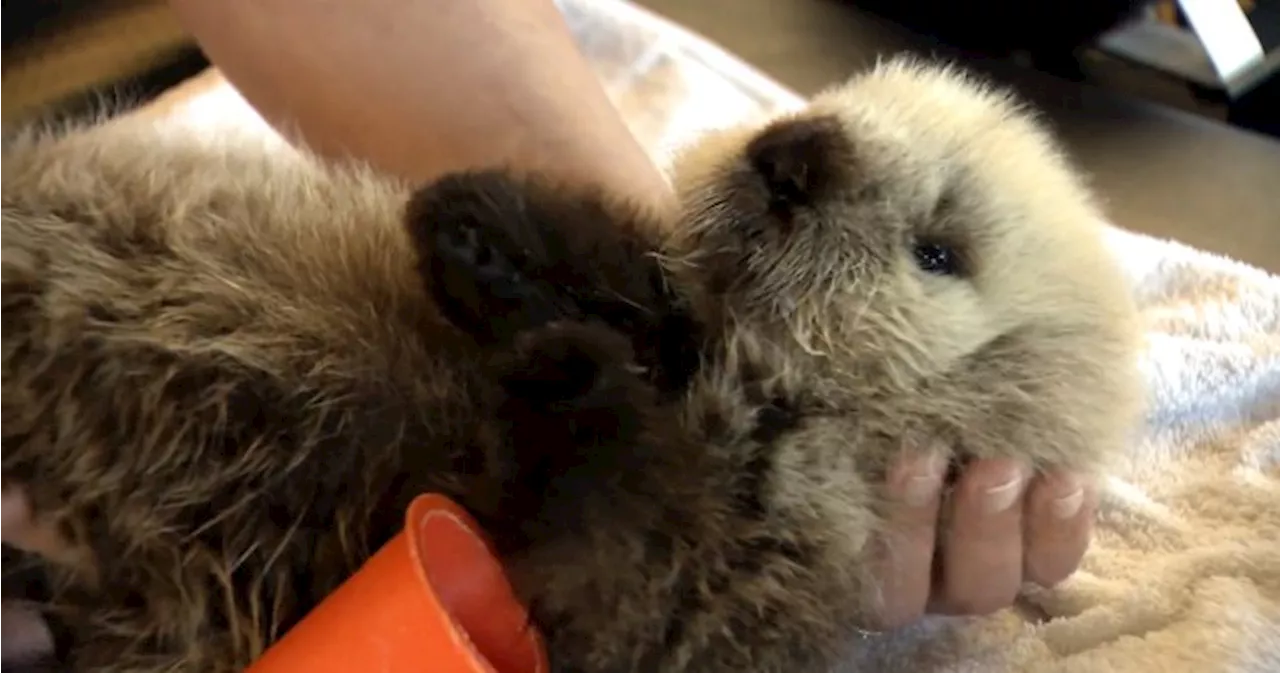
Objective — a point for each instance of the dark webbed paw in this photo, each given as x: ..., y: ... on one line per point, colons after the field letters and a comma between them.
x: 581, y: 378
x: 474, y: 268
x: 563, y: 363
x: 459, y: 242
x: 576, y: 414
x: 504, y: 255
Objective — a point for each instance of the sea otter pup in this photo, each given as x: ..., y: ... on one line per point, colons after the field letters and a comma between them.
x: 227, y: 369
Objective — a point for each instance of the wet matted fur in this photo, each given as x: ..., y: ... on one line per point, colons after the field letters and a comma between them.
x: 228, y: 369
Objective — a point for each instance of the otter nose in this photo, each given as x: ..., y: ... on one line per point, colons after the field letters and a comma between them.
x: 800, y: 160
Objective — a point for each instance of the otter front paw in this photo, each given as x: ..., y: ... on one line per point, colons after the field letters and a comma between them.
x: 578, y: 381
x: 577, y: 416
x: 503, y: 254
x: 465, y: 228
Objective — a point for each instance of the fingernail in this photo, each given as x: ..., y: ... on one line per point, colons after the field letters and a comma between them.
x: 1067, y: 506
x: 925, y: 480
x: 1000, y: 498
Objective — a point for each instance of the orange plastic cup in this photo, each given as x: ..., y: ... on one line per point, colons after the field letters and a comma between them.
x: 435, y: 598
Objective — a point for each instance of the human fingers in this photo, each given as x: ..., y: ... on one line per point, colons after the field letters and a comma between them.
x: 981, y: 552
x: 24, y: 637
x: 905, y: 548
x: 20, y: 529
x: 15, y: 514
x: 1060, y: 509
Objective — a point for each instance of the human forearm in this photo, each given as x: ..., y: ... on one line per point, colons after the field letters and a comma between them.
x: 422, y: 88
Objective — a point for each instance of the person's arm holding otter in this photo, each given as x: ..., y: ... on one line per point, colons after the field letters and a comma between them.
x: 423, y: 88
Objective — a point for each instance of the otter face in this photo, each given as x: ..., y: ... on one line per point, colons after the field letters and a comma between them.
x: 913, y: 249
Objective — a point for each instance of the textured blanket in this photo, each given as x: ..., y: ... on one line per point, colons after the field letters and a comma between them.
x: 1184, y: 573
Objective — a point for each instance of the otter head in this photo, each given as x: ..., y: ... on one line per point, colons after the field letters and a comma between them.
x: 914, y: 250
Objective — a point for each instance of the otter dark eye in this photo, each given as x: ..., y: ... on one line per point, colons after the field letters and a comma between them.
x: 937, y: 259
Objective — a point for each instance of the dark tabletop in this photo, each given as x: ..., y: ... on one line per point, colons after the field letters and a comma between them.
x: 1160, y: 171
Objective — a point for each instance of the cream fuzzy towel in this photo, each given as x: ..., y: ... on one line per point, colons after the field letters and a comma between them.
x: 1184, y: 572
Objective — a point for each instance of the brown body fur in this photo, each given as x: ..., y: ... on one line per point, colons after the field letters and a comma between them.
x: 226, y: 371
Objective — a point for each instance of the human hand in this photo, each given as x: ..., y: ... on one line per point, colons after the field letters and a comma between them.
x: 1004, y: 529
x: 24, y: 636
x: 22, y: 531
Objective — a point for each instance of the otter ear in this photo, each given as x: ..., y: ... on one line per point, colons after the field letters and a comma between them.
x: 503, y: 255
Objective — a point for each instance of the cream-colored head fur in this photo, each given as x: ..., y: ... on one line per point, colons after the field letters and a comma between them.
x: 804, y: 239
